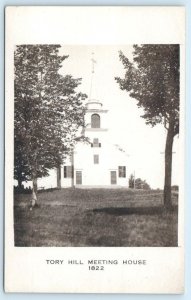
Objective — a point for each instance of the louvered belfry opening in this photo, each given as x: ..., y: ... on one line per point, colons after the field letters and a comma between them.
x: 95, y: 121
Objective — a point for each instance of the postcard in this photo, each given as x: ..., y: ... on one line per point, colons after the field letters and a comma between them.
x: 94, y: 149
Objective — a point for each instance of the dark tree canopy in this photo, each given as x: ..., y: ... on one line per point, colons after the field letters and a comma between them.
x: 152, y: 78
x: 48, y: 110
x: 138, y: 183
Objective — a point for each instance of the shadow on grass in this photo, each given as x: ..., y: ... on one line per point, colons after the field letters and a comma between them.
x: 118, y: 211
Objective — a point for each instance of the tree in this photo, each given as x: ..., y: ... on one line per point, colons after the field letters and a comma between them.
x: 131, y: 181
x: 141, y: 184
x: 138, y: 183
x: 21, y: 169
x: 48, y: 112
x: 152, y: 78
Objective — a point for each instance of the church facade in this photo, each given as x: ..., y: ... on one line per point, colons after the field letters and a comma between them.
x: 96, y: 163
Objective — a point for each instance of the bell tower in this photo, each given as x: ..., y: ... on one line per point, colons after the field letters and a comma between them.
x: 96, y: 163
x: 96, y: 115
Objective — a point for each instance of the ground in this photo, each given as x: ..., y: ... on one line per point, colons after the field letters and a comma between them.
x: 95, y: 217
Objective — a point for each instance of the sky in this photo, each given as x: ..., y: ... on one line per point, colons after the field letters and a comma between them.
x: 145, y: 145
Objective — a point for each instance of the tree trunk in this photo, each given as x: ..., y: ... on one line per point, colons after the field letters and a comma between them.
x: 59, y: 177
x: 34, y: 191
x: 168, y: 167
x: 19, y: 184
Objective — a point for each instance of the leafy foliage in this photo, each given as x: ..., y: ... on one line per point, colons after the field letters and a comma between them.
x: 131, y: 181
x: 138, y: 183
x: 48, y: 110
x: 141, y: 184
x: 153, y: 80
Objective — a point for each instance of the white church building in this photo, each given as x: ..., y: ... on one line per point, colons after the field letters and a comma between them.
x: 97, y: 163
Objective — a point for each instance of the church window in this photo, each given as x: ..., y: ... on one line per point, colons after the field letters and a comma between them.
x: 68, y: 171
x: 95, y: 121
x: 96, y: 143
x: 96, y: 159
x: 122, y: 171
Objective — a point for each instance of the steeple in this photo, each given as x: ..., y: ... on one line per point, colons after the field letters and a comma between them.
x: 93, y: 103
x: 95, y: 118
x: 92, y: 75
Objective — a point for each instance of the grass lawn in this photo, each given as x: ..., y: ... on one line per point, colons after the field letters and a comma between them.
x: 95, y: 217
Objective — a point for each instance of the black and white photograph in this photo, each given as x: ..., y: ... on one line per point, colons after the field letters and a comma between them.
x: 94, y: 149
x: 96, y: 131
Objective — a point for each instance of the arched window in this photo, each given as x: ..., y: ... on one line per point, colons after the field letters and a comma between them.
x: 95, y: 121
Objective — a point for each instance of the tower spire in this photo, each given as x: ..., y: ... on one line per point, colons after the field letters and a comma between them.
x: 92, y: 74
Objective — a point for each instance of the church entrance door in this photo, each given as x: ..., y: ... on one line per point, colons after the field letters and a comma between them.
x: 113, y: 177
x: 78, y: 177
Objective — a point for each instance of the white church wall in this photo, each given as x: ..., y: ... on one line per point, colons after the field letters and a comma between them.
x: 99, y: 174
x: 92, y: 164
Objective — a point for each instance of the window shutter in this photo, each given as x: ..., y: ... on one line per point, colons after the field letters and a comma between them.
x: 68, y: 171
x: 122, y: 171
x: 64, y: 171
